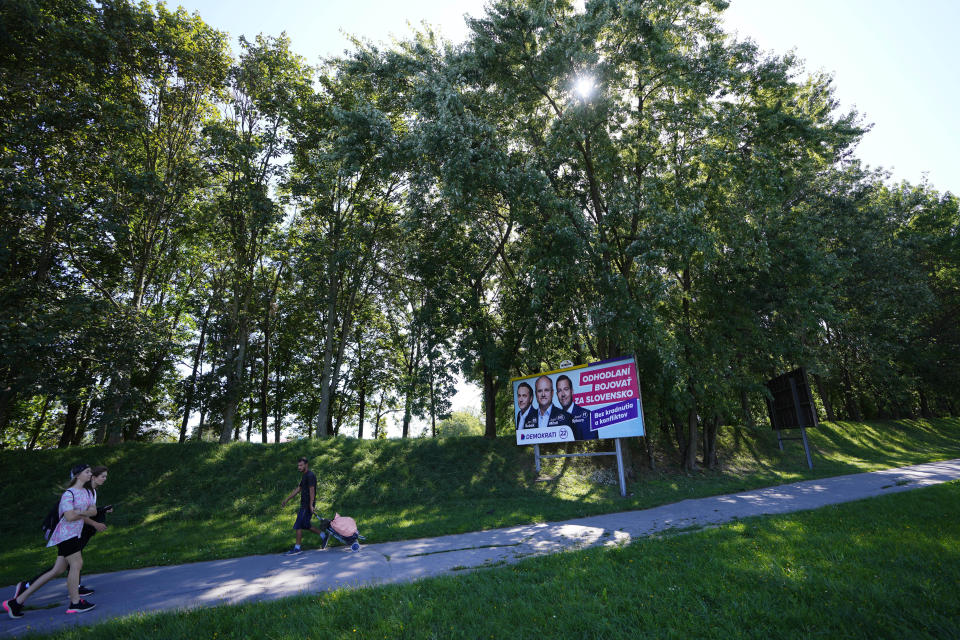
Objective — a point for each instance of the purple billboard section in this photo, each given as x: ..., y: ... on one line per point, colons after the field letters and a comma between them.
x: 613, y: 414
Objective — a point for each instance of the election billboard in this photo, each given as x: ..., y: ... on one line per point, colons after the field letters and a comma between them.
x: 586, y: 402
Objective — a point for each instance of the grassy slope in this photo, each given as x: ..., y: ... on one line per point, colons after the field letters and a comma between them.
x: 881, y: 568
x: 205, y: 501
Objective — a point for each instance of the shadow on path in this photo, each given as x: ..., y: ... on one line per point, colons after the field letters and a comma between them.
x: 252, y: 578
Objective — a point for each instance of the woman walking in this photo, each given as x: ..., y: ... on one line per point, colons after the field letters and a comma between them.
x: 76, y: 503
x: 91, y: 526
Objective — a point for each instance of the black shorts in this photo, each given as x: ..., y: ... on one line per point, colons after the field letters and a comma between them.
x: 69, y: 547
x: 85, y: 535
x: 304, y: 516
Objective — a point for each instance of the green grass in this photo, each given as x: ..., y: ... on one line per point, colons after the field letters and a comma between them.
x: 887, y: 567
x: 202, y: 501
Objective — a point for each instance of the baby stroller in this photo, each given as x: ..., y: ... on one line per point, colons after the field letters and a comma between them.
x: 343, y: 529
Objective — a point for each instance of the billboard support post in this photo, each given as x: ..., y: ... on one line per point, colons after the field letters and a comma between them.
x: 806, y: 447
x: 796, y: 404
x: 536, y: 456
x: 620, y: 474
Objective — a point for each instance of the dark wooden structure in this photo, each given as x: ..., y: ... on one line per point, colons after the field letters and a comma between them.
x: 791, y: 407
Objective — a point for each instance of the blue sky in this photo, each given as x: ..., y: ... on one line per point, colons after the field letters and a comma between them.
x: 894, y: 61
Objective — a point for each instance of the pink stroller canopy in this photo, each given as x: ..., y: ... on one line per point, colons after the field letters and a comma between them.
x: 343, y: 525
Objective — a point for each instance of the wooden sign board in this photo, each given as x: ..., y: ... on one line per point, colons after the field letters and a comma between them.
x: 792, y: 404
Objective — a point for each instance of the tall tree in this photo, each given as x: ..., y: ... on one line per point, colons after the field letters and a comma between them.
x: 54, y: 60
x: 248, y: 147
x: 647, y: 124
x: 346, y: 186
x: 117, y: 214
x: 132, y: 246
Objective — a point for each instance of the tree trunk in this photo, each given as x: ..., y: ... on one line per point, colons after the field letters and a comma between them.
x: 191, y: 387
x: 119, y: 415
x: 130, y: 430
x: 433, y: 401
x: 267, y: 333
x: 82, y: 424
x: 883, y: 410
x: 651, y: 458
x: 240, y: 324
x: 100, y: 434
x: 74, y: 406
x: 412, y: 361
x: 198, y: 436
x: 264, y: 383
x: 824, y: 397
x: 405, y: 431
x: 69, y: 424
x: 39, y: 426
x: 331, y: 377
x: 251, y: 404
x: 710, y: 429
x: 234, y: 385
x: 277, y: 409
x: 311, y: 413
x: 679, y: 435
x: 363, y: 407
x: 690, y: 461
x: 745, y: 408
x: 853, y: 407
x: 236, y: 427
x: 378, y: 416
x: 326, y: 374
x: 489, y: 403
x: 924, y: 404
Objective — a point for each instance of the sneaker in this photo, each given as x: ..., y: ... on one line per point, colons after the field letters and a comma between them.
x: 81, y: 607
x: 21, y: 587
x: 323, y: 540
x: 85, y: 591
x: 294, y: 551
x: 13, y: 608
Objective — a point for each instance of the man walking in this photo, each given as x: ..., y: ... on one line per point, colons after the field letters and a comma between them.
x: 308, y: 499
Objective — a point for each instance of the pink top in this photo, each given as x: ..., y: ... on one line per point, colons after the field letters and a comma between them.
x: 72, y: 500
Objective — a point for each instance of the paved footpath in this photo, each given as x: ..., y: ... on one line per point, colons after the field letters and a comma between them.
x: 217, y: 582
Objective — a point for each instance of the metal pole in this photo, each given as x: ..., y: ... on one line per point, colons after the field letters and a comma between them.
x: 813, y: 408
x: 806, y: 446
x: 536, y: 456
x: 623, y: 479
x: 579, y: 455
x: 800, y: 417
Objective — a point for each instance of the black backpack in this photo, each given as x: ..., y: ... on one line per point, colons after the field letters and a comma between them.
x: 52, y: 520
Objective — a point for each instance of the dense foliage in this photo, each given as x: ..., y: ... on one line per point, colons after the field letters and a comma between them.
x: 202, y: 245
